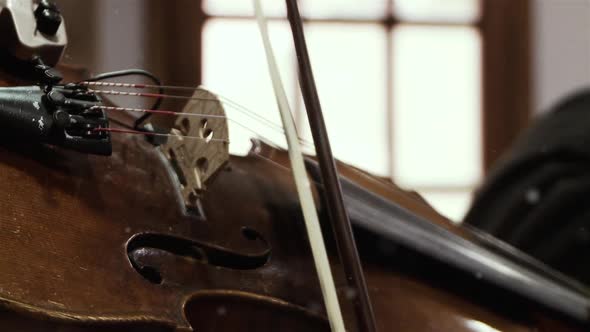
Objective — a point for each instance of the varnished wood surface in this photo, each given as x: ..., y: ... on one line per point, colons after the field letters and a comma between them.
x: 102, y: 244
x: 67, y: 218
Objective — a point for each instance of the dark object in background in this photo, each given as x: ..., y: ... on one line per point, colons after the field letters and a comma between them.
x: 48, y: 17
x: 537, y: 198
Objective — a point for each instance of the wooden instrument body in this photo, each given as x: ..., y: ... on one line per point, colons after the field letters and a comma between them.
x: 68, y: 220
x: 94, y: 243
x: 101, y: 243
x: 91, y: 243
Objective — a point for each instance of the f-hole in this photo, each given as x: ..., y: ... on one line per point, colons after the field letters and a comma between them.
x: 144, y: 246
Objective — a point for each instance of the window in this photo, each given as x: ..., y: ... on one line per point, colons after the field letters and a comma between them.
x: 400, y: 84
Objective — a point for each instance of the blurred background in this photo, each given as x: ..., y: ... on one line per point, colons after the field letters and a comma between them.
x: 426, y: 92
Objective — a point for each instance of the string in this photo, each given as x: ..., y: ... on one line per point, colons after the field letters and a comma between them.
x: 137, y: 132
x: 148, y: 94
x: 146, y: 133
x: 232, y: 104
x: 135, y: 86
x: 383, y: 184
x: 180, y: 88
x: 257, y: 155
x: 379, y: 182
x: 227, y: 100
x: 144, y: 110
x: 308, y: 144
x: 172, y: 113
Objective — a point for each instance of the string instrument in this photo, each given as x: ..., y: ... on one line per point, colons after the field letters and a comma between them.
x: 105, y: 226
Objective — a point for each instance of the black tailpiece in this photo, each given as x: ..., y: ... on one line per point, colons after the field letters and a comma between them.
x: 60, y: 115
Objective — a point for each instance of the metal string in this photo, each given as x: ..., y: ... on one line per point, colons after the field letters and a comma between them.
x: 227, y: 101
x: 148, y: 133
x: 232, y: 104
x: 172, y: 113
x: 181, y: 88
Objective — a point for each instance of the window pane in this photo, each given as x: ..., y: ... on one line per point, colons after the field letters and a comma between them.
x: 349, y: 66
x: 437, y: 106
x: 243, y: 7
x: 344, y: 8
x: 464, y: 11
x: 234, y: 66
x: 453, y: 205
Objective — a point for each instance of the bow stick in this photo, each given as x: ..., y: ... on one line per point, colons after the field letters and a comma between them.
x: 338, y: 215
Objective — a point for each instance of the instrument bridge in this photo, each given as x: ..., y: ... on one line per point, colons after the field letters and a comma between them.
x: 198, y: 147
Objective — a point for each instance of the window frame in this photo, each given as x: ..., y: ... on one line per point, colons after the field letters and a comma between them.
x: 504, y: 25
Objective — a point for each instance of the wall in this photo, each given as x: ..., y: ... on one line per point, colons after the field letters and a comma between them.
x: 158, y: 35
x: 561, y: 47
x: 105, y: 35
